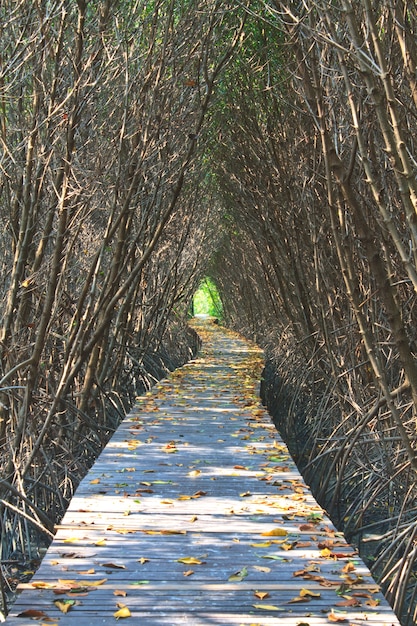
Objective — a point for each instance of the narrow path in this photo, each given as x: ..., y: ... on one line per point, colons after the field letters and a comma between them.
x: 195, y: 514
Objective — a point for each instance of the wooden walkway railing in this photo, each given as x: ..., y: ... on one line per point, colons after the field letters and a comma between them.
x: 195, y: 514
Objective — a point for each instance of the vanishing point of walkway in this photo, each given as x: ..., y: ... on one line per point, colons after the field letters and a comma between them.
x: 195, y: 514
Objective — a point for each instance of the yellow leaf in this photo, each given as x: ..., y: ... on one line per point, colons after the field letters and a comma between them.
x: 63, y: 581
x: 266, y: 607
x: 326, y: 553
x: 92, y: 583
x: 71, y: 540
x: 142, y: 560
x: 190, y: 560
x: 120, y: 592
x: 95, y: 481
x: 263, y: 544
x: 184, y: 498
x: 189, y: 572
x: 122, y: 612
x: 275, y: 532
x: 64, y: 605
x: 307, y: 592
x: 100, y: 542
x: 349, y: 567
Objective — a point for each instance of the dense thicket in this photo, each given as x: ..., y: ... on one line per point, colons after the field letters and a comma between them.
x: 315, y: 163
x: 103, y: 227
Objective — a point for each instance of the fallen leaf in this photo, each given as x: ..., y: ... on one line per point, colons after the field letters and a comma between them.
x: 238, y: 576
x: 141, y: 582
x: 194, y: 473
x: 349, y: 567
x: 91, y: 583
x: 198, y: 494
x: 122, y: 612
x: 33, y: 614
x: 189, y: 572
x: 142, y: 560
x: 260, y: 568
x: 114, y: 565
x: 95, y: 481
x: 348, y: 602
x: 307, y: 592
x: 190, y: 560
x: 64, y: 605
x: 275, y: 532
x: 299, y: 599
x: 120, y: 592
x: 261, y: 595
x: 326, y: 553
x: 332, y: 617
x: 266, y: 607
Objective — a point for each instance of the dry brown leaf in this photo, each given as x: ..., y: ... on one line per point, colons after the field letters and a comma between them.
x: 332, y: 617
x: 33, y: 614
x: 349, y: 567
x: 299, y: 599
x: 261, y: 595
x: 348, y: 602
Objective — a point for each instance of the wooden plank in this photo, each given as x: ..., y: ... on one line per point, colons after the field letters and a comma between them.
x: 196, y: 514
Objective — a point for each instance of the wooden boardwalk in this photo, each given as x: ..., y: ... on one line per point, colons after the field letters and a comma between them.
x: 195, y: 514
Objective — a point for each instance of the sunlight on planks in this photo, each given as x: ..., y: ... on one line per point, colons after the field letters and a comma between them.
x: 195, y: 514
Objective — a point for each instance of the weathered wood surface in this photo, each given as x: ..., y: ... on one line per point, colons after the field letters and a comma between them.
x: 197, y: 472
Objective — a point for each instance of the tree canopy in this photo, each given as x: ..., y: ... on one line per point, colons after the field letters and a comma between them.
x: 269, y: 145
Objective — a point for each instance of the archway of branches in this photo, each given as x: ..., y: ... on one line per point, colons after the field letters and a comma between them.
x: 268, y: 145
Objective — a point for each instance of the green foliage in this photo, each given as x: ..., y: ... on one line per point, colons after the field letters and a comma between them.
x: 207, y: 299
